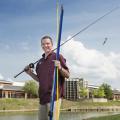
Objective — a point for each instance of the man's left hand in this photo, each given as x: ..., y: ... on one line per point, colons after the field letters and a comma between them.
x: 57, y: 64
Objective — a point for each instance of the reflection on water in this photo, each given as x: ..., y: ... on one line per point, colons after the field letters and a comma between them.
x: 63, y: 116
x: 19, y: 116
x: 81, y: 116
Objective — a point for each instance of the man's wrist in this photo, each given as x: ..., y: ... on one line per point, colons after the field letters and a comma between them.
x: 61, y: 68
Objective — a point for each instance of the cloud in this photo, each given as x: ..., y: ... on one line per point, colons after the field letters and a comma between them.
x: 1, y: 77
x: 91, y: 64
x: 4, y: 46
x: 24, y: 46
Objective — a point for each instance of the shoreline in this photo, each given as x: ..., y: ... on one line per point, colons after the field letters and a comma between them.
x: 90, y: 109
x: 22, y: 105
x: 22, y: 110
x: 75, y: 109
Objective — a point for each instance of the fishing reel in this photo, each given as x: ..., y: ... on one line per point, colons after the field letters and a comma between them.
x: 31, y: 65
x: 50, y: 114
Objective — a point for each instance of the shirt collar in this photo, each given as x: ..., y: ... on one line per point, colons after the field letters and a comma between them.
x: 43, y: 55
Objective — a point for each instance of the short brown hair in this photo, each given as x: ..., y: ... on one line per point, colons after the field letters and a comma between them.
x: 46, y: 37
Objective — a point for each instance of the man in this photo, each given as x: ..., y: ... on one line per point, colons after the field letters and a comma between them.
x: 44, y: 75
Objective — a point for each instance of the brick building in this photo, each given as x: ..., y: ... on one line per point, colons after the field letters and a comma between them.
x: 9, y: 90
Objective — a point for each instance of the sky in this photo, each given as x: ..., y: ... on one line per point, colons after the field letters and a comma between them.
x: 24, y: 22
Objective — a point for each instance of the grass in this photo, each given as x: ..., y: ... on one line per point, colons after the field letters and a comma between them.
x: 80, y: 104
x: 111, y: 117
x: 17, y: 104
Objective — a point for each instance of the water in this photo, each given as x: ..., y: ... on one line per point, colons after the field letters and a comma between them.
x: 63, y: 116
x: 19, y: 116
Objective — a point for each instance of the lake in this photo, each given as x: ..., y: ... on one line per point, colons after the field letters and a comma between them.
x: 63, y: 116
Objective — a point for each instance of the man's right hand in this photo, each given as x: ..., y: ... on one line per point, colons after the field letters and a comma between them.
x: 28, y: 70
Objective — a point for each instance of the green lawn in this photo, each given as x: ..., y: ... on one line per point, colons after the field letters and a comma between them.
x: 16, y: 104
x: 112, y: 117
x: 67, y: 104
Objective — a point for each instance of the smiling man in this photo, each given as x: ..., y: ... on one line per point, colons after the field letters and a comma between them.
x: 44, y: 75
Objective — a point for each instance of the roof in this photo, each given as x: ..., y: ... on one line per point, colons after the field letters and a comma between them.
x: 18, y: 84
x: 74, y: 79
x: 5, y: 81
x: 14, y: 88
x: 116, y: 92
x: 93, y: 86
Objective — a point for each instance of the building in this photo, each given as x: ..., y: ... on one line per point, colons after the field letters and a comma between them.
x: 116, y: 94
x: 91, y: 88
x: 11, y: 90
x: 72, y: 88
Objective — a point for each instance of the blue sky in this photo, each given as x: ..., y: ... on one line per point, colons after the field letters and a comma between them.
x: 23, y: 23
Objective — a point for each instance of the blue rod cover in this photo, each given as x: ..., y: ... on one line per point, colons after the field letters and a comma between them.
x: 55, y: 71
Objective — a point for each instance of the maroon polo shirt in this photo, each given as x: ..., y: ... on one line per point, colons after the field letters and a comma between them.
x: 45, y: 73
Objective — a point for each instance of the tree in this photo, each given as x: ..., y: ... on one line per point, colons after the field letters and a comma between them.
x: 107, y: 90
x: 31, y: 88
x: 83, y: 92
x: 99, y: 93
x: 94, y: 92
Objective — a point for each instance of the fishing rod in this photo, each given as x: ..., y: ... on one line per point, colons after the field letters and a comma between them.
x: 31, y: 65
x: 54, y: 88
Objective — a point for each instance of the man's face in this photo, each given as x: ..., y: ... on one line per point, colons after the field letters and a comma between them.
x: 46, y: 45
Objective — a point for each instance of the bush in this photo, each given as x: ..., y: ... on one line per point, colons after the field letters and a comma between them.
x: 31, y: 88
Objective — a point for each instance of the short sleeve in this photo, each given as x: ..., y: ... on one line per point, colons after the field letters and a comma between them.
x: 63, y: 62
